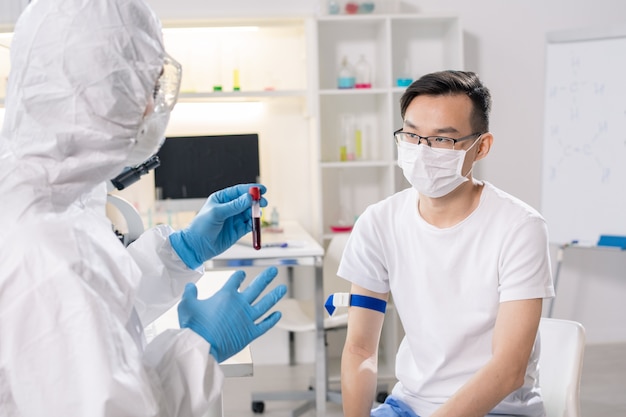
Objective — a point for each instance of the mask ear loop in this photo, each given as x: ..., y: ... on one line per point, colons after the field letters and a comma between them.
x: 477, y: 153
x: 475, y: 141
x: 480, y: 151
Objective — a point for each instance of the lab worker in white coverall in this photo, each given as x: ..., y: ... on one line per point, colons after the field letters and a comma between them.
x: 89, y: 93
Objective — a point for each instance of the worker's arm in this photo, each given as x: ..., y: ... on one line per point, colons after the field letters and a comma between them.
x: 513, y: 340
x: 359, y: 361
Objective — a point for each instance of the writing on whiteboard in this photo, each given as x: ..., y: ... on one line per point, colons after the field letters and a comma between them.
x: 584, y: 153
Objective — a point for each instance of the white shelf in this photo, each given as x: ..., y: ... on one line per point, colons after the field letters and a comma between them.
x: 353, y: 91
x: 239, y: 95
x: 353, y: 164
x: 268, y: 54
x: 390, y: 44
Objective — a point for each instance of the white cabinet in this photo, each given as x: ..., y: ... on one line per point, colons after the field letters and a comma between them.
x: 355, y: 125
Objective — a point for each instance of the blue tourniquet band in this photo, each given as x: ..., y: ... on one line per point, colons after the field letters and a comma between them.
x: 368, y: 302
x: 354, y: 300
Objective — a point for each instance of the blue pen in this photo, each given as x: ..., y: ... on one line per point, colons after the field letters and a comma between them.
x: 276, y: 245
x: 268, y: 245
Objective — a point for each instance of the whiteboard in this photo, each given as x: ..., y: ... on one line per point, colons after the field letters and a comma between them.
x: 584, y: 148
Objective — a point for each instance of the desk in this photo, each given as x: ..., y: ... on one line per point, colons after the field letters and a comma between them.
x: 237, y: 365
x: 303, y: 250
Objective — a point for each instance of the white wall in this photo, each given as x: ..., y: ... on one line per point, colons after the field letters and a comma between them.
x: 10, y: 10
x: 591, y: 292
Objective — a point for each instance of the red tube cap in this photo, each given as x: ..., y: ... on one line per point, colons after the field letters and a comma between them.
x: 255, y: 192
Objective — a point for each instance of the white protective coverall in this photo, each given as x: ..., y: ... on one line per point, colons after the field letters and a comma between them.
x: 71, y: 343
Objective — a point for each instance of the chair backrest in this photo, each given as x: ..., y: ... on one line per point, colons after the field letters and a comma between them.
x: 332, y: 257
x: 560, y: 366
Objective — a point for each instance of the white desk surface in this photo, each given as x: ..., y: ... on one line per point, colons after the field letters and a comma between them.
x: 239, y: 364
x: 299, y: 245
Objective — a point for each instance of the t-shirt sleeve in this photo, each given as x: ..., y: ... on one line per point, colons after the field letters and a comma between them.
x: 524, y: 270
x: 363, y: 261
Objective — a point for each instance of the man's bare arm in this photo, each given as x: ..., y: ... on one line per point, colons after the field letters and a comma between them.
x: 359, y: 361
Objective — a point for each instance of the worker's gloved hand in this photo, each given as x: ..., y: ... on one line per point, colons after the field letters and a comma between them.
x: 222, y: 221
x: 227, y: 320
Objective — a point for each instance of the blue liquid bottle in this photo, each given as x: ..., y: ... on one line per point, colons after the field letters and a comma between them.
x: 346, y: 77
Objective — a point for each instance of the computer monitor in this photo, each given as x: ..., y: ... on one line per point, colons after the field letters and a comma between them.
x: 193, y: 167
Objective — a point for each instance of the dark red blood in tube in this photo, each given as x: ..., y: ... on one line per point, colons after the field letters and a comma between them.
x: 256, y: 233
x: 255, y: 192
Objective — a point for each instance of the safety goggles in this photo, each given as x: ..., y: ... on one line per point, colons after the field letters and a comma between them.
x: 168, y: 85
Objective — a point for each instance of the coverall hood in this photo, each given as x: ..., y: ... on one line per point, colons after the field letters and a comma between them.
x: 82, y: 73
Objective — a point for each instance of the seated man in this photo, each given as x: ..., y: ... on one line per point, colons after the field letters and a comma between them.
x: 467, y: 264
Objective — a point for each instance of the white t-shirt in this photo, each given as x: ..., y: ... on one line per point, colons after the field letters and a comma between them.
x: 447, y: 285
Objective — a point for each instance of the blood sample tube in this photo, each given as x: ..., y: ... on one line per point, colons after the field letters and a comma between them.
x: 255, y: 192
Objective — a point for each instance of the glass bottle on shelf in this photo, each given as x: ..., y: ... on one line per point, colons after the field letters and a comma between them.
x: 236, y: 84
x: 346, y: 75
x: 348, y: 148
x: 362, y: 71
x: 274, y: 217
x: 362, y: 139
x: 333, y: 7
x: 217, y: 71
x: 405, y: 79
x: 358, y: 143
x: 343, y: 147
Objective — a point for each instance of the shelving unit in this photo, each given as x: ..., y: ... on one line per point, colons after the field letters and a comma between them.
x: 273, y: 57
x: 269, y: 54
x: 288, y: 71
x: 394, y: 46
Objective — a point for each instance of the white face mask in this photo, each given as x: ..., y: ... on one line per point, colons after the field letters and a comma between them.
x: 432, y: 172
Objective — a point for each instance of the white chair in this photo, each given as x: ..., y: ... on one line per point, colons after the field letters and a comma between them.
x: 560, y: 366
x: 299, y: 316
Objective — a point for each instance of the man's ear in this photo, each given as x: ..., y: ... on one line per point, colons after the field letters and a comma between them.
x: 486, y: 140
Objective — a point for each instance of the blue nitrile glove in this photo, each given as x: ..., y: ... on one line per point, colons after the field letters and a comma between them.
x: 222, y: 221
x: 227, y: 320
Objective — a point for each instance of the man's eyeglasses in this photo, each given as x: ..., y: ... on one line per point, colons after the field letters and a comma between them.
x: 439, y: 142
x: 168, y: 85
